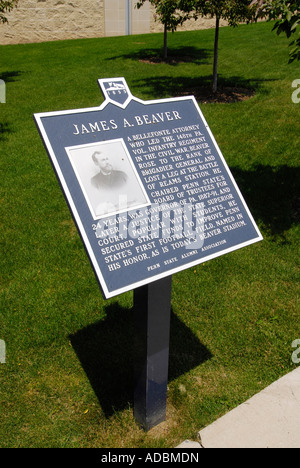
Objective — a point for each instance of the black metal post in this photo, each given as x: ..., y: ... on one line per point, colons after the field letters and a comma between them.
x: 152, y: 307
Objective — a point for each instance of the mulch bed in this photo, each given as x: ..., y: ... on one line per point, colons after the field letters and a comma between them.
x: 227, y: 94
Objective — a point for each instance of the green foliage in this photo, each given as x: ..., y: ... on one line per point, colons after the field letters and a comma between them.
x: 170, y: 13
x: 173, y: 13
x: 5, y: 7
x: 287, y: 16
x: 233, y: 11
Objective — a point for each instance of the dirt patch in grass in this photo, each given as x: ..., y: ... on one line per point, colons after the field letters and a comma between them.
x: 226, y: 94
x: 175, y: 60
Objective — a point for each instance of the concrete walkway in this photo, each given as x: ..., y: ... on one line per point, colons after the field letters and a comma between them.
x: 270, y: 419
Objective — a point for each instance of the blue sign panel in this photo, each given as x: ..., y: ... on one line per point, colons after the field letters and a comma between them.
x: 148, y: 187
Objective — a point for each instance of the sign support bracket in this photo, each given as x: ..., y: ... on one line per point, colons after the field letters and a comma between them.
x: 152, y: 312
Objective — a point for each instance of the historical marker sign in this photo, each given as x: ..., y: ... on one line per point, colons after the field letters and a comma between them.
x: 147, y: 185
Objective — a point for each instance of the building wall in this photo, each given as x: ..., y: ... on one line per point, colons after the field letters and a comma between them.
x: 121, y: 17
x: 48, y: 20
x: 141, y: 23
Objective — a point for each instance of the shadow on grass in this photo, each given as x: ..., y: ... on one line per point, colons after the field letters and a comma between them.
x: 230, y: 89
x: 9, y: 77
x: 175, y: 57
x: 273, y: 196
x: 106, y: 352
x: 4, y: 129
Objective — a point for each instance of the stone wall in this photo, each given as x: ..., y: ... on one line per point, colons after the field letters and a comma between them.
x: 48, y: 20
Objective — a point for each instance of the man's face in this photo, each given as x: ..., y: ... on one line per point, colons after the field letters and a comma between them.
x: 104, y: 163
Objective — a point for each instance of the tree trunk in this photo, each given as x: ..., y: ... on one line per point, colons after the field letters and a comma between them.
x: 165, y: 42
x: 215, y: 72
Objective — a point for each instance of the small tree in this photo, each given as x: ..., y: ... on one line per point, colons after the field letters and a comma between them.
x: 6, y: 7
x: 170, y: 14
x: 287, y: 16
x: 233, y: 11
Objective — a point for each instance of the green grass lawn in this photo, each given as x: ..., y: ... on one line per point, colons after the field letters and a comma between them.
x: 67, y: 380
